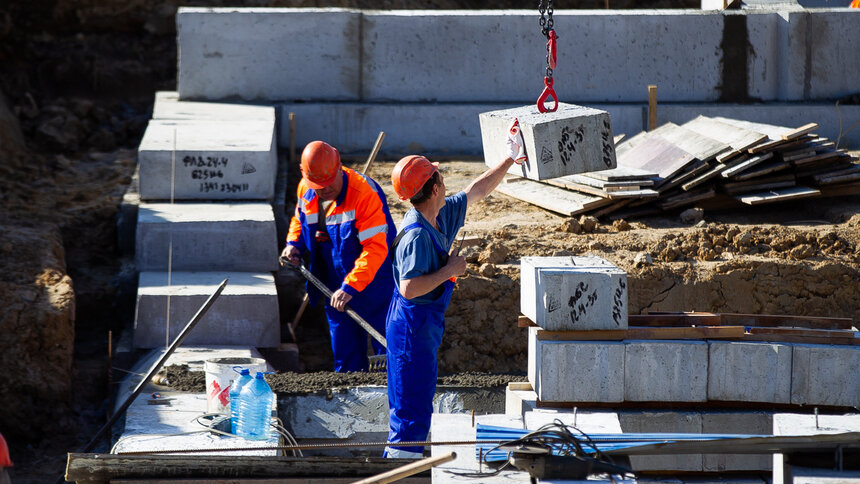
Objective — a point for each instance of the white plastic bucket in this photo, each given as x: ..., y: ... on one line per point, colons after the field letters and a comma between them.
x: 220, y: 374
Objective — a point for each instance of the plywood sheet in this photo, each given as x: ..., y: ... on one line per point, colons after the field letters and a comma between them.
x: 658, y: 155
x: 779, y: 195
x: 594, y: 182
x: 738, y: 138
x: 621, y: 173
x: 702, y: 147
x: 773, y: 132
x: 746, y: 164
x: 551, y: 198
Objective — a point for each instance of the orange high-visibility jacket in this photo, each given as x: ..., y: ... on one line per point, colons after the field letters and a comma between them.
x: 5, y: 460
x: 360, y: 228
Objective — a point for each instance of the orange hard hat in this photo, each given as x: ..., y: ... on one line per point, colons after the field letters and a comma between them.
x: 410, y: 174
x: 320, y: 164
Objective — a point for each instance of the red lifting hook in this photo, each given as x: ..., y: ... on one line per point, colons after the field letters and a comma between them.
x: 547, y: 93
x: 550, y: 49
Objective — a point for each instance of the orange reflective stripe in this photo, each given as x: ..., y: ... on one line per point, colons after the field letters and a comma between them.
x: 363, y: 199
x: 295, y: 232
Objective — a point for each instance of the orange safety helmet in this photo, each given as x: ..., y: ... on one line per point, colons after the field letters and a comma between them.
x: 410, y: 174
x: 320, y: 164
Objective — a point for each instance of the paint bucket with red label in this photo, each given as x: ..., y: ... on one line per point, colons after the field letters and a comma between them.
x: 220, y: 373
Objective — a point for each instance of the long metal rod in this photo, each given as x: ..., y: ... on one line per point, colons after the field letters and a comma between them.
x: 408, y: 469
x: 339, y: 445
x: 327, y: 293
x: 157, y: 366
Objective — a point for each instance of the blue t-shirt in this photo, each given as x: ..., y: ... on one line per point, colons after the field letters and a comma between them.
x: 416, y: 255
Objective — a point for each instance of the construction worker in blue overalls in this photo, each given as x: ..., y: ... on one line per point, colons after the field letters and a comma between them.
x: 424, y: 275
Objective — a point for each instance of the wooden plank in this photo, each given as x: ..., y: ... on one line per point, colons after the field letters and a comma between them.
x: 767, y: 146
x: 778, y: 195
x: 703, y: 177
x: 694, y: 332
x: 564, y: 182
x: 621, y: 173
x: 687, y: 198
x: 746, y: 164
x: 829, y: 333
x: 603, y: 184
x: 819, y: 340
x: 611, y: 208
x: 658, y: 155
x: 830, y: 180
x: 587, y: 335
x: 105, y: 467
x: 551, y: 198
x: 796, y: 133
x: 632, y: 194
x: 819, y: 157
x: 738, y: 138
x: 675, y: 319
x: 760, y: 184
x: 762, y: 170
x: 652, y: 107
x: 704, y: 148
x: 692, y: 171
x: 617, y: 138
x: 772, y: 320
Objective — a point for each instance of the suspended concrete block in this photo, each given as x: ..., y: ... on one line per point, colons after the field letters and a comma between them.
x: 245, y: 314
x: 208, y: 160
x: 575, y: 371
x: 573, y: 293
x: 206, y: 237
x: 573, y: 139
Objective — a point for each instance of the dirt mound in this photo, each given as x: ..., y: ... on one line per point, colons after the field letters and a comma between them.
x: 37, y: 324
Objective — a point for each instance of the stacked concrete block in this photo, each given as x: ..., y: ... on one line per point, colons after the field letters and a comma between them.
x: 573, y: 293
x: 744, y: 423
x: 826, y: 375
x: 573, y: 371
x: 749, y: 372
x: 672, y: 371
x: 208, y: 160
x: 206, y: 237
x: 669, y: 422
x: 573, y: 139
x: 168, y: 106
x: 246, y: 312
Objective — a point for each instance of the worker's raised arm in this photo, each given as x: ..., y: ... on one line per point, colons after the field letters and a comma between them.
x: 490, y: 179
x: 421, y: 285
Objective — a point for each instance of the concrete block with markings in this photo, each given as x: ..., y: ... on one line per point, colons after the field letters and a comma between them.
x: 573, y: 139
x: 573, y: 293
x: 208, y: 159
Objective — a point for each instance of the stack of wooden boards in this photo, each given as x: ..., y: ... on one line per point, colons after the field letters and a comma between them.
x: 730, y: 326
x: 720, y: 160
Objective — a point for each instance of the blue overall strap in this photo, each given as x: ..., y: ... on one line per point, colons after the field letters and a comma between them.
x: 412, y: 226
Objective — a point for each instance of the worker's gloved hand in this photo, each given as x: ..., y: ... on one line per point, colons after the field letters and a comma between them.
x: 516, y: 150
x: 292, y: 254
x: 339, y: 300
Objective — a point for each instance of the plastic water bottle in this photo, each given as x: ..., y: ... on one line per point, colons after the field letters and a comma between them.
x: 255, y: 409
x: 235, y: 389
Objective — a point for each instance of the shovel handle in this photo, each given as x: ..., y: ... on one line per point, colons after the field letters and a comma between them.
x: 327, y: 293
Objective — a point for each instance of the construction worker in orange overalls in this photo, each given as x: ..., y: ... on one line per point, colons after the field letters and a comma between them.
x: 5, y: 461
x: 424, y: 275
x: 343, y: 226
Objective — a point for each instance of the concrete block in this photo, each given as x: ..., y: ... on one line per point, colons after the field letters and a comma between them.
x: 826, y: 375
x: 807, y: 424
x: 573, y: 139
x: 590, y: 422
x: 519, y: 399
x: 744, y: 423
x: 749, y: 372
x: 169, y: 107
x: 573, y: 293
x: 206, y: 236
x: 208, y: 160
x: 246, y: 312
x: 673, y: 422
x: 819, y: 43
x: 268, y: 54
x: 580, y: 371
x: 666, y: 371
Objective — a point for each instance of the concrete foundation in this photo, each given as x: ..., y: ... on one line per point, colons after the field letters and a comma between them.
x: 800, y: 424
x: 565, y: 371
x: 208, y: 160
x: 826, y: 375
x: 653, y: 422
x: 675, y: 371
x: 749, y: 372
x: 573, y: 139
x: 236, y: 237
x: 751, y: 423
x: 573, y: 293
x: 246, y: 312
x: 168, y: 107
